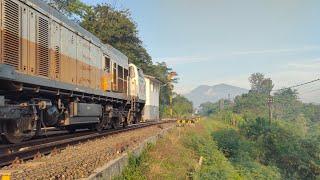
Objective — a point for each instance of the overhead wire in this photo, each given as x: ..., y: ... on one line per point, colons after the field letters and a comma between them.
x: 298, y: 85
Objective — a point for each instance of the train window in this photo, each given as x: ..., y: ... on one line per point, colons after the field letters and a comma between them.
x: 114, y: 81
x: 120, y: 72
x: 126, y: 74
x: 107, y: 64
x: 125, y: 83
x: 120, y: 79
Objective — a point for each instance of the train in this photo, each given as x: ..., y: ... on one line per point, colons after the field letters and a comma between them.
x: 55, y: 74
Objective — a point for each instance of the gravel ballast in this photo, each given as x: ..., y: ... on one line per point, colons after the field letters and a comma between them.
x: 81, y: 160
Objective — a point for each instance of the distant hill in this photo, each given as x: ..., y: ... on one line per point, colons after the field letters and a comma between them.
x: 214, y: 93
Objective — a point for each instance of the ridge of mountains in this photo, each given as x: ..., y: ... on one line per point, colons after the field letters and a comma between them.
x: 205, y: 93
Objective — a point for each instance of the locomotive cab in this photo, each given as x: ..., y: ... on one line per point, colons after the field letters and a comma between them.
x: 137, y: 83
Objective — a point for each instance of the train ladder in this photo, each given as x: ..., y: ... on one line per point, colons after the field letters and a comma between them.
x: 132, y: 108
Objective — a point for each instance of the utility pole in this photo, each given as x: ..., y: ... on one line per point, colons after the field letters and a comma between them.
x: 221, y: 104
x: 270, y: 102
x: 170, y: 101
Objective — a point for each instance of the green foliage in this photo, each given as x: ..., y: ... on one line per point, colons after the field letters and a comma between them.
x: 117, y: 29
x: 161, y: 71
x: 295, y: 156
x: 251, y: 105
x: 229, y: 117
x: 234, y: 146
x: 215, y: 165
x: 260, y: 84
x: 70, y: 8
x: 182, y: 107
x: 290, y: 142
x: 137, y: 166
x: 286, y: 105
x: 240, y: 152
x: 253, y: 170
x: 208, y: 108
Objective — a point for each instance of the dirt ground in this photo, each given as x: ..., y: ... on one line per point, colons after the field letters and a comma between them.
x: 80, y: 161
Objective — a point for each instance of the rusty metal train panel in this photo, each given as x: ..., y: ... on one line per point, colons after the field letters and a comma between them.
x: 43, y: 44
x: 50, y: 65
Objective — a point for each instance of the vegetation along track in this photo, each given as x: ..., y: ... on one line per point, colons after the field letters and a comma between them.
x: 28, y: 150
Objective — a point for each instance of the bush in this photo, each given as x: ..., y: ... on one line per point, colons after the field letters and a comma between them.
x: 234, y: 146
x: 243, y: 154
x: 137, y: 166
x: 215, y: 165
x: 254, y: 129
x: 296, y: 157
x: 254, y: 170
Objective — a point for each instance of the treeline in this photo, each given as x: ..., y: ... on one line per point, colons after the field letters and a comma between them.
x: 289, y: 145
x: 116, y: 27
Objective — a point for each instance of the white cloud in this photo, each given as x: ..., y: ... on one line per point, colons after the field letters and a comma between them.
x: 308, y: 65
x: 183, y: 60
x: 277, y: 51
x: 219, y: 56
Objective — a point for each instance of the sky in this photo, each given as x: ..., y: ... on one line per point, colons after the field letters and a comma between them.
x: 224, y: 41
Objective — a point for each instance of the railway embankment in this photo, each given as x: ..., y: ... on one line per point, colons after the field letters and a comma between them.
x: 195, y: 152
x: 92, y: 158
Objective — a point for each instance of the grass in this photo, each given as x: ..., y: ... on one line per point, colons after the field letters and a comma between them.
x: 176, y: 156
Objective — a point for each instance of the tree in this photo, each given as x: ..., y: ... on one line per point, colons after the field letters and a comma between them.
x: 286, y: 104
x: 266, y: 86
x: 260, y: 84
x: 116, y: 28
x: 208, y: 108
x: 256, y: 81
x: 182, y: 107
x: 287, y: 94
x: 70, y: 8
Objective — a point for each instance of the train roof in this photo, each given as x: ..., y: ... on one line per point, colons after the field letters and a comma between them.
x: 50, y: 11
x: 154, y: 79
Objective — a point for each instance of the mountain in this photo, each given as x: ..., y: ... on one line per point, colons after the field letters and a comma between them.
x: 214, y: 93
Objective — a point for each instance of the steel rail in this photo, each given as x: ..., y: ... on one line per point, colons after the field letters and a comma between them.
x: 28, y: 152
x: 11, y: 148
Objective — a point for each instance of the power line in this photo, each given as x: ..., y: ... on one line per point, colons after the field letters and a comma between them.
x: 298, y: 85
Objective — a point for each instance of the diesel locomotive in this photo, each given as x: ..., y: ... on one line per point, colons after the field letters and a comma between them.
x: 54, y: 73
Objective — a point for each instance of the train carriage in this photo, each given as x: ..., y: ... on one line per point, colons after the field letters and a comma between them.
x: 53, y: 73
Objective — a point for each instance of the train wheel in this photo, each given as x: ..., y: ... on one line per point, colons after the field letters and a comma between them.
x: 71, y: 130
x: 125, y: 122
x: 115, y: 123
x: 17, y: 131
x: 98, y: 127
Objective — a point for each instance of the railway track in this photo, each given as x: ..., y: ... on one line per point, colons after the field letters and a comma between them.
x: 30, y: 149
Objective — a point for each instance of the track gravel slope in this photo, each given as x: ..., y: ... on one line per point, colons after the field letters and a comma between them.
x: 80, y: 161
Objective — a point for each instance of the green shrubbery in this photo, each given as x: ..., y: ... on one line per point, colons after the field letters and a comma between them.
x: 288, y: 144
x: 137, y: 166
x: 261, y: 146
x: 243, y: 155
x: 215, y: 165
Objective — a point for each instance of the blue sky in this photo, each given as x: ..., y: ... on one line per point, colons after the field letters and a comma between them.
x: 224, y: 41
